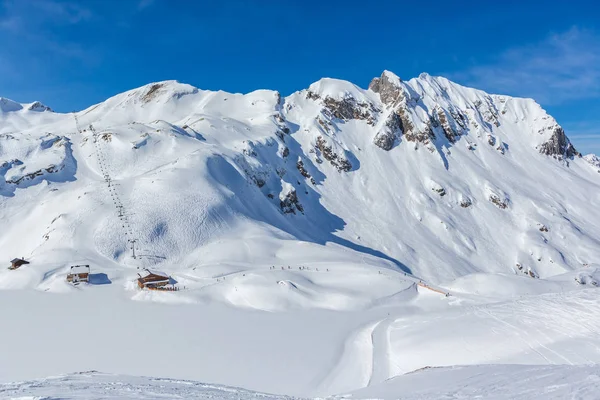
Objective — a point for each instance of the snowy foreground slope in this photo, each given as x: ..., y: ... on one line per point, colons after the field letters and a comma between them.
x: 305, y: 234
x: 515, y: 382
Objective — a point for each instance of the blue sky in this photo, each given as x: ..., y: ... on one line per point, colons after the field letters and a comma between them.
x: 70, y: 54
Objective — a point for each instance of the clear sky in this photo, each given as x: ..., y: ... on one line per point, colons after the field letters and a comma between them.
x: 70, y: 54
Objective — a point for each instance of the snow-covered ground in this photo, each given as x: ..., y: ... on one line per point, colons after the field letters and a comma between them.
x: 321, y: 243
x: 490, y: 382
x: 91, y: 385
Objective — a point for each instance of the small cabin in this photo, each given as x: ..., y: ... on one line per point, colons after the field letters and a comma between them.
x: 17, y: 262
x: 79, y: 273
x: 152, y: 279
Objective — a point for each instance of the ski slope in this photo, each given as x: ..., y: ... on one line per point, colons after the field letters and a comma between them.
x: 322, y: 242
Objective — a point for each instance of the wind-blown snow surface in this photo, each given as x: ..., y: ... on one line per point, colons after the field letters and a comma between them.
x: 325, y: 209
x: 516, y: 382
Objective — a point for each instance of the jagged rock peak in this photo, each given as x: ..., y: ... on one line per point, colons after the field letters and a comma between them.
x: 39, y: 107
x: 388, y: 87
x: 559, y: 145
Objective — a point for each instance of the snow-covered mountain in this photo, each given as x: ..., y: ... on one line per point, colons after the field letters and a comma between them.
x: 335, y: 198
x: 438, y: 179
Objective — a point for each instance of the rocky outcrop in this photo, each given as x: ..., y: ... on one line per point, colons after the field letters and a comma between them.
x: 39, y: 107
x: 449, y: 131
x: 303, y: 171
x: 466, y: 202
x: 32, y: 175
x: 499, y: 202
x: 339, y: 162
x: 488, y: 111
x: 288, y: 201
x: 312, y: 95
x: 424, y: 137
x: 527, y: 271
x: 558, y: 146
x: 393, y: 95
x: 441, y: 191
x: 385, y: 140
x: 387, y: 136
x: 282, y: 128
x: 388, y: 91
x: 152, y: 92
x: 348, y: 109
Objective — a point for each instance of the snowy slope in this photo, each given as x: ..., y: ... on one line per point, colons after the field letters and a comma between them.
x: 328, y: 209
x: 93, y: 385
x: 489, y: 382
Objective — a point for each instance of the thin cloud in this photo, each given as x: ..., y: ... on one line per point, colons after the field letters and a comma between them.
x: 561, y: 68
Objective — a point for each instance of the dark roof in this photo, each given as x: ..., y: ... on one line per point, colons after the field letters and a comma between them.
x: 18, y: 260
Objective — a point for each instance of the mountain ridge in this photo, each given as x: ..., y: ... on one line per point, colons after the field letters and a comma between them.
x: 420, y: 150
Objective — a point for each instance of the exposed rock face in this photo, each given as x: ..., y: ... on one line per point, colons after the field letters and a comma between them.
x: 37, y: 106
x: 500, y: 203
x: 388, y: 91
x: 289, y: 203
x: 392, y: 130
x: 348, y: 109
x: 449, y: 131
x: 341, y: 163
x: 440, y: 191
x: 558, y: 146
x: 152, y: 91
x: 488, y: 111
x: 50, y: 170
x: 500, y: 147
x: 258, y: 181
x: 466, y: 202
x: 312, y: 95
x: 424, y: 137
x: 385, y: 140
x: 304, y: 172
x: 393, y: 95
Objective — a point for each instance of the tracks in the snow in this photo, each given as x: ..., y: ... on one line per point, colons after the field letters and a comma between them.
x: 102, y: 161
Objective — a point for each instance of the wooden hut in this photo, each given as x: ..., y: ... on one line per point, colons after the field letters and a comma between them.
x: 79, y: 273
x: 17, y: 262
x: 152, y: 279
